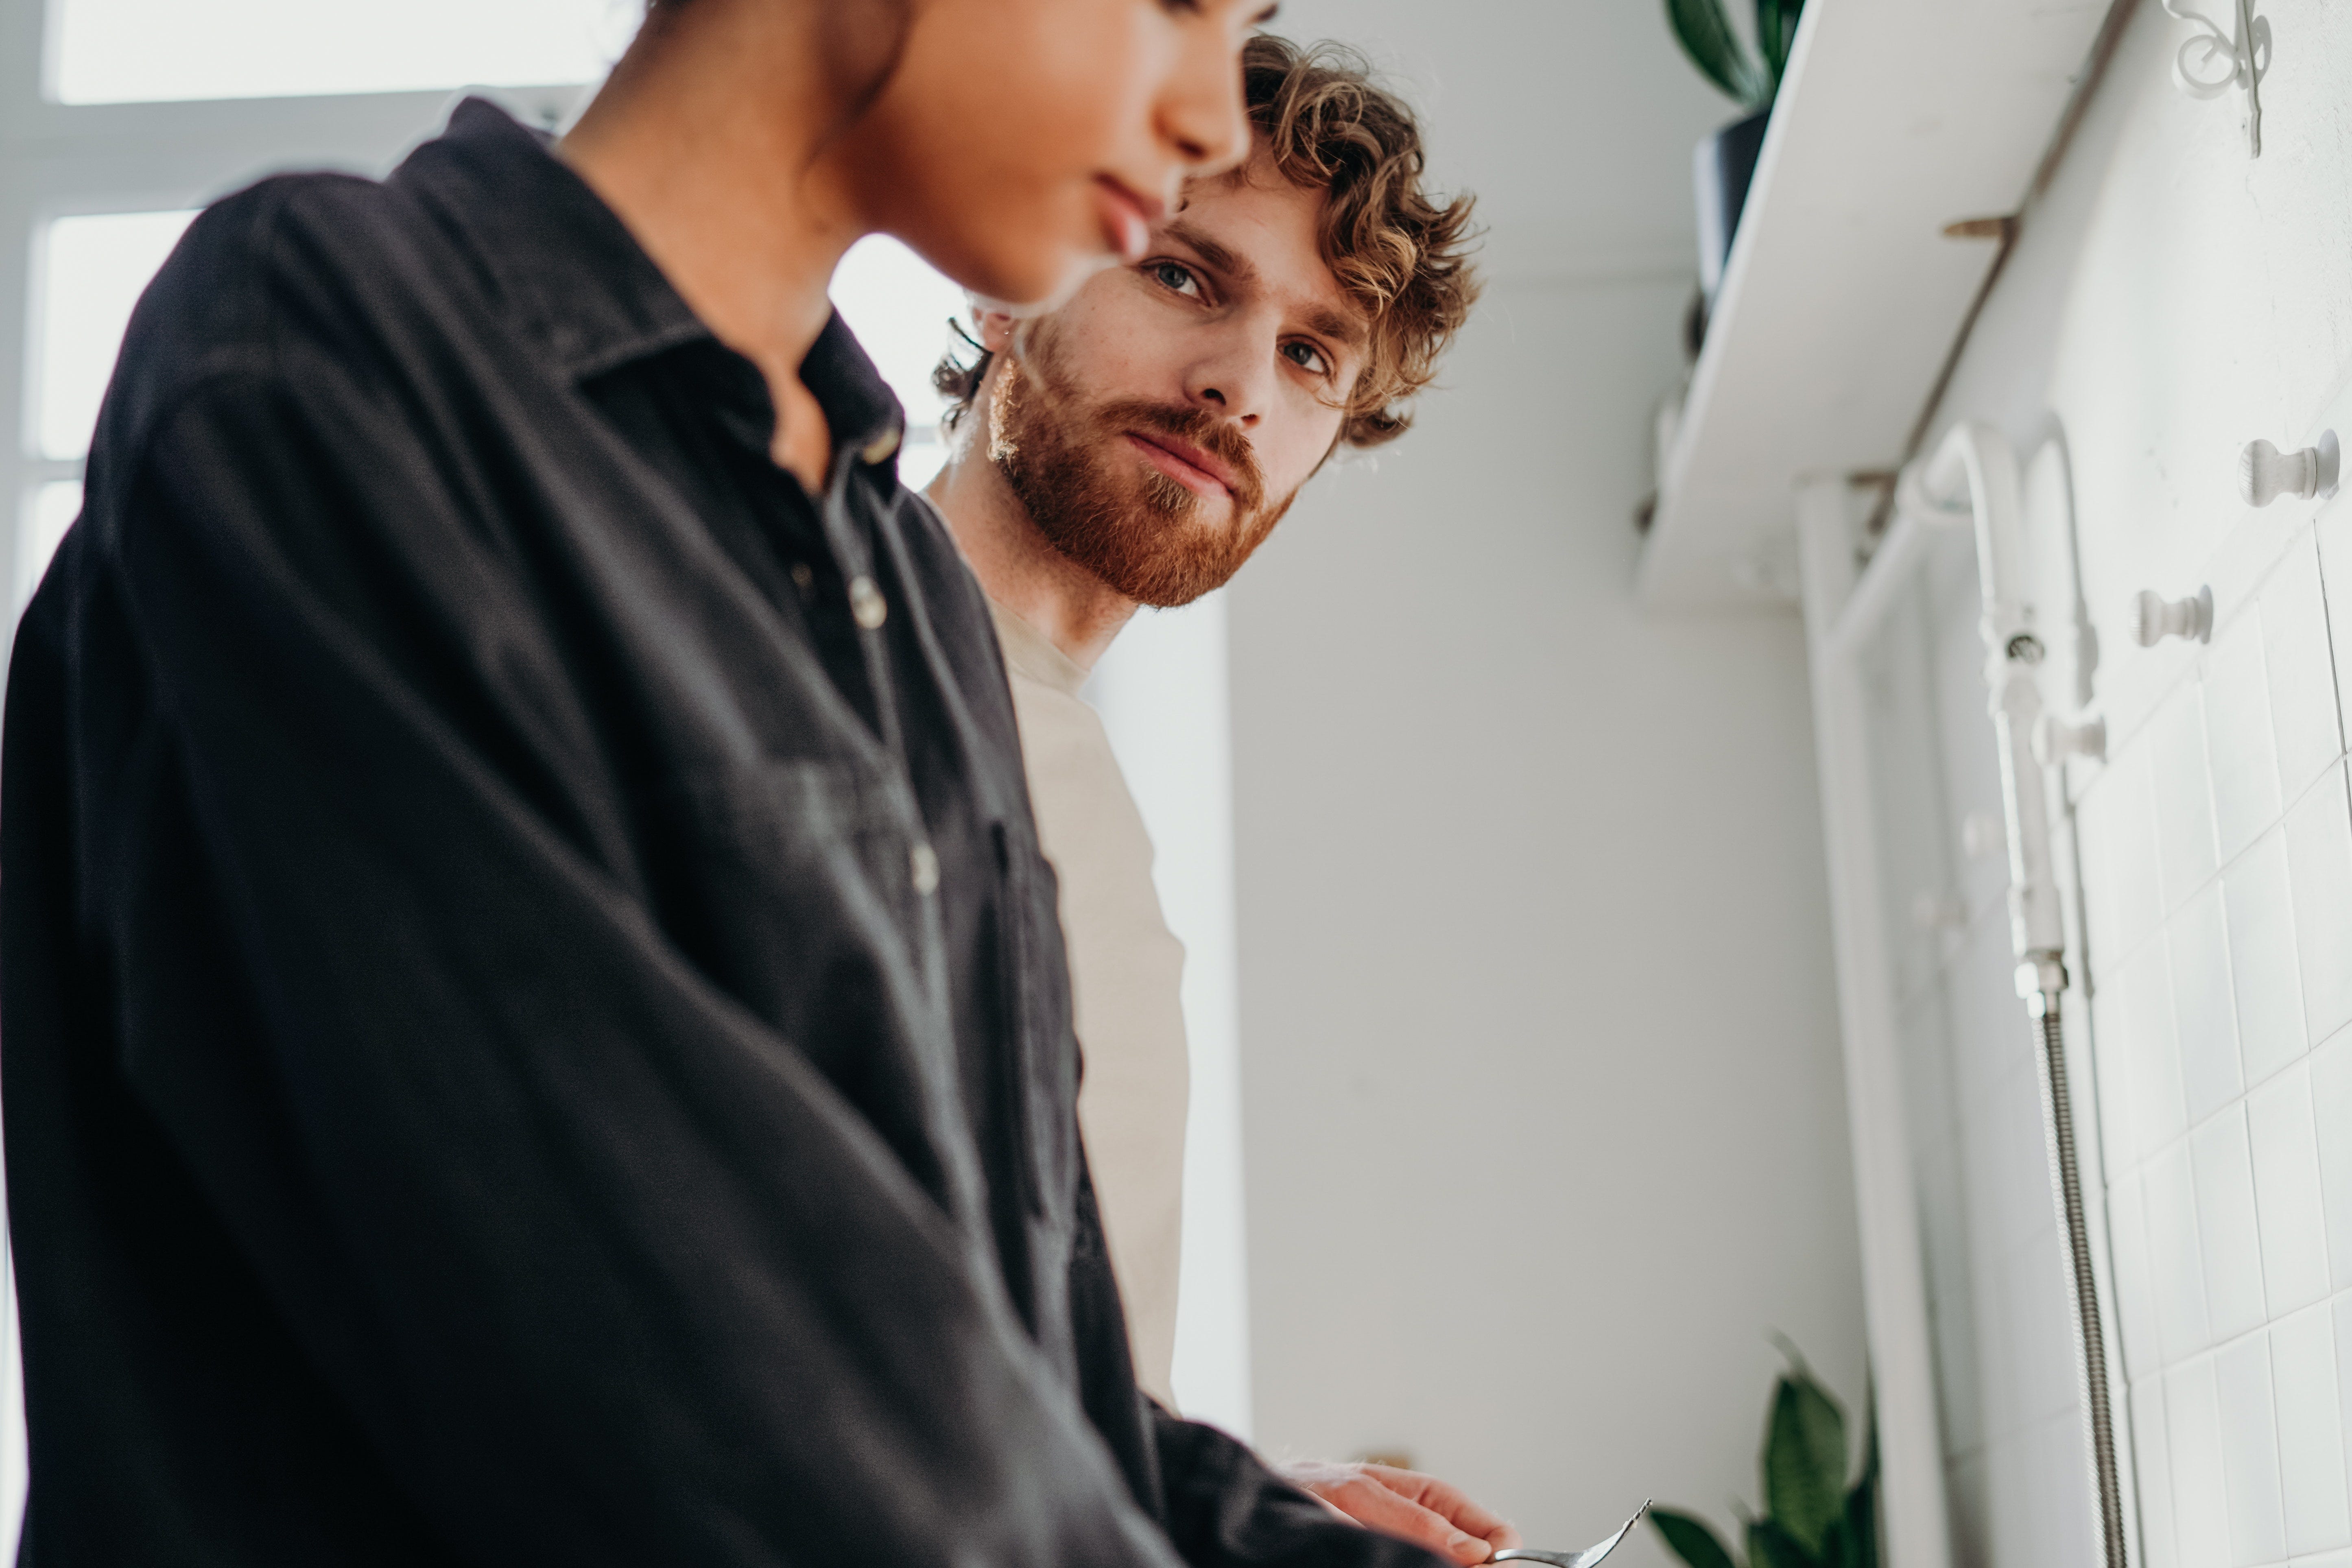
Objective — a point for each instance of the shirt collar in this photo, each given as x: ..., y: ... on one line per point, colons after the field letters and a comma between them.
x: 572, y: 275
x: 1032, y: 652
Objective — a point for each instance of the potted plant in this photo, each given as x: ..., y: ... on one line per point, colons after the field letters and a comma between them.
x: 1813, y: 1517
x: 1725, y: 162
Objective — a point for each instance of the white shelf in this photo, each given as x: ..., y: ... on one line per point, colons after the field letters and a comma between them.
x: 1842, y: 297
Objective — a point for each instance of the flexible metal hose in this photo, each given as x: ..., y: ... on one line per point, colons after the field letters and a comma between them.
x: 2090, y: 1338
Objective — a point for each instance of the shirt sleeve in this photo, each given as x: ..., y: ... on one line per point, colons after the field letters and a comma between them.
x: 1227, y: 1509
x: 601, y: 1267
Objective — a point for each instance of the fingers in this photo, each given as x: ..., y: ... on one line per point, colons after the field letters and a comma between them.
x: 1449, y: 1502
x: 1421, y: 1509
x: 1370, y: 1500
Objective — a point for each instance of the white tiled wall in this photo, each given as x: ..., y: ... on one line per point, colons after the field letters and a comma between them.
x: 2216, y: 978
x: 2232, y: 983
x: 2168, y: 300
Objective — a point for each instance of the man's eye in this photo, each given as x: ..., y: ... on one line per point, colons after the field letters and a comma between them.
x: 1308, y: 358
x: 1176, y: 276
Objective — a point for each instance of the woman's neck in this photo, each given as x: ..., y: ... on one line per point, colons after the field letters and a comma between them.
x: 707, y: 142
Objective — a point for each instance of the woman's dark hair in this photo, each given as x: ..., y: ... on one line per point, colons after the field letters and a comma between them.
x: 1402, y: 256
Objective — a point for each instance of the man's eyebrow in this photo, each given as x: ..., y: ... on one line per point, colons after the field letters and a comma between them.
x: 1347, y: 329
x: 1235, y: 267
x: 1342, y: 328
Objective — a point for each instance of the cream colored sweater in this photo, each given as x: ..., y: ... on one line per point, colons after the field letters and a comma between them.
x: 1126, y: 973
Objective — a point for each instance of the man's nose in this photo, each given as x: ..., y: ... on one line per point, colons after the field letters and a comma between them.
x: 1237, y: 380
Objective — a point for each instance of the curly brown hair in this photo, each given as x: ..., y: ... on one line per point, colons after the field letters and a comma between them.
x: 1401, y: 254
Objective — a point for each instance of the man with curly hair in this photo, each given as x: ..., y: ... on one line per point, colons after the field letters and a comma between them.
x: 1133, y: 447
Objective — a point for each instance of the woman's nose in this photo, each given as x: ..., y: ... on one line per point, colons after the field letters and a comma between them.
x: 1200, y: 112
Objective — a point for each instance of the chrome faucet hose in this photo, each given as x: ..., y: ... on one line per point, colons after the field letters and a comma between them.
x: 2090, y: 1337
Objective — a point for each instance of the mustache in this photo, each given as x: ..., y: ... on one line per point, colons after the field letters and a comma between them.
x: 1202, y: 427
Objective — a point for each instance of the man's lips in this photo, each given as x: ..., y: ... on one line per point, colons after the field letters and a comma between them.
x: 1186, y: 464
x: 1126, y: 217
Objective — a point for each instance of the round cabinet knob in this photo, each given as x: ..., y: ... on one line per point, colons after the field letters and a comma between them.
x: 2265, y: 473
x: 2055, y: 740
x: 2153, y: 617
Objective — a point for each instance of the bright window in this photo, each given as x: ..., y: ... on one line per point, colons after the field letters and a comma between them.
x: 92, y: 271
x: 54, y: 507
x: 900, y: 308
x: 114, y: 51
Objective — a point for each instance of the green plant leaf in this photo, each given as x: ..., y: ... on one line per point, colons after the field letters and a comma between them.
x: 1706, y: 35
x: 1858, y: 1530
x: 1804, y: 1459
x: 1768, y: 39
x: 1769, y: 1546
x: 1776, y: 30
x: 1861, y: 1521
x: 1690, y: 1539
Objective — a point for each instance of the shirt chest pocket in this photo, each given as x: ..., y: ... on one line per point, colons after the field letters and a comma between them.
x: 797, y: 886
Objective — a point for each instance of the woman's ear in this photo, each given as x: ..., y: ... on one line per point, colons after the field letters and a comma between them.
x: 995, y: 327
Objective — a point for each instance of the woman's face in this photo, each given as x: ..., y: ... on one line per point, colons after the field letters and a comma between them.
x: 1022, y: 143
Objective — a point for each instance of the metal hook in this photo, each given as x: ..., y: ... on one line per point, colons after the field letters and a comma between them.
x: 2245, y: 51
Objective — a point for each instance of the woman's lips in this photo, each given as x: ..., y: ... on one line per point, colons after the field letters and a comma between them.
x: 1186, y: 473
x: 1126, y: 219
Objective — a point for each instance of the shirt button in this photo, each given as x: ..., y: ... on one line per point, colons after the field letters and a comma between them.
x: 925, y: 864
x: 865, y: 605
x: 803, y: 578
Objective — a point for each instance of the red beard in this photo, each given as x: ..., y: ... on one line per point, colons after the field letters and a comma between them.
x: 1151, y: 538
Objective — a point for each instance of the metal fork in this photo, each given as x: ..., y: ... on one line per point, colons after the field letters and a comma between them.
x: 1584, y: 1559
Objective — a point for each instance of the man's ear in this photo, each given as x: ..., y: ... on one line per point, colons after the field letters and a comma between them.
x: 995, y: 327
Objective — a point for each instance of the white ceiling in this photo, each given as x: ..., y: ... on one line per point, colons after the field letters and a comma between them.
x: 1573, y: 120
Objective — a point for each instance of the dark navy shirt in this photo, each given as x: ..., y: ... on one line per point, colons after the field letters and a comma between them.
x: 535, y: 1025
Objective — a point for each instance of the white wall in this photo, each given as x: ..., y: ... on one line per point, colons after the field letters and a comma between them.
x: 1543, y: 1105
x: 2167, y: 300
x: 1163, y: 693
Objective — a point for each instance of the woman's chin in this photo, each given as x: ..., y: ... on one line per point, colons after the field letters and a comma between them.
x: 1023, y: 270
x: 1048, y: 287
x: 1022, y: 258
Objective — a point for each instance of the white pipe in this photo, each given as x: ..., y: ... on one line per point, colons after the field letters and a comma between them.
x: 1916, y: 524
x: 1975, y: 464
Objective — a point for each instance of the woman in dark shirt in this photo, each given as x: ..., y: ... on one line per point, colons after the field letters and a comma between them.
x: 536, y: 1030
